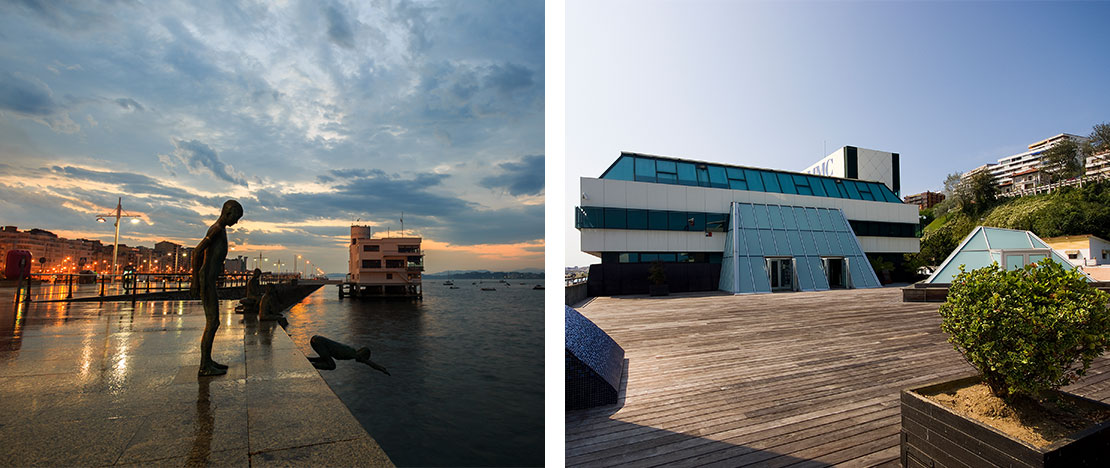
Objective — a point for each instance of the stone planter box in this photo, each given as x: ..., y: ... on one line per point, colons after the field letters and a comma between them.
x: 659, y: 290
x: 934, y: 436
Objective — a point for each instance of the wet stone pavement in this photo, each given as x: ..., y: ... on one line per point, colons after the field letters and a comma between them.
x: 94, y: 384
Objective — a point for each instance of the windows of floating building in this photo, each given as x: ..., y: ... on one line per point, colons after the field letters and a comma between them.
x: 1010, y: 248
x: 395, y: 263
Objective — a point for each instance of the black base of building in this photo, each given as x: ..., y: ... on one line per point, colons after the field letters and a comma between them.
x: 614, y: 279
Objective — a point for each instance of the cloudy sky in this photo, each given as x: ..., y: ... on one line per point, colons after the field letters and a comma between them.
x: 947, y: 85
x: 313, y: 114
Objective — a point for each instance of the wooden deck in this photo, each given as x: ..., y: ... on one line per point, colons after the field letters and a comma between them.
x: 808, y: 379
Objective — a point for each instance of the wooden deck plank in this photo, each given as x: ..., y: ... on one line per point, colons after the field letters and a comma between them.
x: 797, y: 379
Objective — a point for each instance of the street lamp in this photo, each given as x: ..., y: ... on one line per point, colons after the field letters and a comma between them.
x: 118, y: 214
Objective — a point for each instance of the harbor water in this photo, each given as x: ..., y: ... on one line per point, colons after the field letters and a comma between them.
x: 467, y: 370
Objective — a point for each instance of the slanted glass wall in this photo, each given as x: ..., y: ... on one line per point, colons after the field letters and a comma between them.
x: 804, y: 234
x: 667, y: 171
x: 1011, y: 249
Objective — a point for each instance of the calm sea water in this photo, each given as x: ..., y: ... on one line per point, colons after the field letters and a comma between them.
x: 467, y: 370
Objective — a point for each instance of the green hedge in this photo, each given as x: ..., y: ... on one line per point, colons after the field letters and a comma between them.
x: 1027, y: 330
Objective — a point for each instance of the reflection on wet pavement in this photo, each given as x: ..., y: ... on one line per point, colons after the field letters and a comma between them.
x: 115, y: 383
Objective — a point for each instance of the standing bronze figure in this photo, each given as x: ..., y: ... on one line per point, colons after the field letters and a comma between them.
x: 208, y: 263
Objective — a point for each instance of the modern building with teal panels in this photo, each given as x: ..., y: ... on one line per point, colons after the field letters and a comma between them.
x: 648, y: 208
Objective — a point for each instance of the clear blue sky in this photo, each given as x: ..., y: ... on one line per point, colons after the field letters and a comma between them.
x: 949, y: 86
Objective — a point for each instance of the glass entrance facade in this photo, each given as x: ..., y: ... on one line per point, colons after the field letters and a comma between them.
x: 813, y: 241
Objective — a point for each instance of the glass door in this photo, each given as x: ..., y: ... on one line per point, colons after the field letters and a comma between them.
x: 781, y: 271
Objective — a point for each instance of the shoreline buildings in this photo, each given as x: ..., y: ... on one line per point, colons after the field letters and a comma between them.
x: 385, y: 266
x: 1020, y: 173
x: 63, y: 255
x: 743, y: 229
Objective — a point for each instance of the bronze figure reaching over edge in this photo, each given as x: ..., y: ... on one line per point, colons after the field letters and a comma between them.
x: 330, y: 350
x: 208, y: 263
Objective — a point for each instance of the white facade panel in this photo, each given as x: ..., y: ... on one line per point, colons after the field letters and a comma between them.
x: 657, y: 241
x: 831, y: 165
x: 591, y: 193
x: 636, y: 195
x: 593, y: 240
x: 615, y: 195
x: 676, y: 196
x: 896, y: 245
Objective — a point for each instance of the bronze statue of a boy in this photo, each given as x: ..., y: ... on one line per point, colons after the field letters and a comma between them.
x: 208, y: 263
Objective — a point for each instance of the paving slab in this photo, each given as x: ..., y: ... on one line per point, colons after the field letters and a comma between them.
x: 90, y: 384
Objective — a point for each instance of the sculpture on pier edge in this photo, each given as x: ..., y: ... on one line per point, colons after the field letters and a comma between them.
x: 330, y: 350
x: 208, y: 263
x: 269, y: 308
x: 249, y: 303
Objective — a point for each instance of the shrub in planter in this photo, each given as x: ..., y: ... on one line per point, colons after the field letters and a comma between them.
x: 1026, y: 330
x: 658, y: 280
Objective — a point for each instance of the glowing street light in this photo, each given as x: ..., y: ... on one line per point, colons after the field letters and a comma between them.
x: 115, y: 244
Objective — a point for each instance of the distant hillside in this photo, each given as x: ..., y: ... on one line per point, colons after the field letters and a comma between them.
x: 485, y: 274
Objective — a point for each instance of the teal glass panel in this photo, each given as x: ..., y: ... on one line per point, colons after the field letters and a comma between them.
x: 848, y: 244
x: 788, y: 217
x: 1036, y: 258
x: 794, y: 242
x: 684, y: 257
x: 832, y: 188
x: 972, y: 260
x: 817, y: 186
x: 677, y: 221
x: 703, y: 176
x: 833, y: 243
x: 615, y: 218
x: 1015, y: 262
x: 762, y: 218
x: 735, y: 173
x: 594, y: 217
x: 699, y: 221
x: 809, y: 248
x: 622, y: 170
x: 637, y: 219
x: 996, y: 257
x: 748, y: 218
x: 741, y: 245
x: 657, y: 220
x: 645, y: 169
x: 861, y: 273
x: 751, y: 242
x: 687, y: 175
x: 774, y: 213
x: 821, y: 242
x: 850, y: 186
x: 760, y: 278
x: 667, y: 257
x: 770, y: 182
x: 665, y: 166
x: 648, y: 257
x: 737, y: 184
x: 713, y: 257
x: 864, y: 191
x: 755, y: 182
x: 805, y: 277
x: 888, y: 195
x: 786, y: 183
x: 744, y: 267
x: 665, y: 178
x: 633, y: 257
x: 717, y: 177
x: 767, y: 243
x: 716, y: 222
x: 843, y: 189
x: 1006, y: 239
x: 977, y: 242
x: 1062, y: 261
x: 838, y: 222
x: 826, y: 221
x: 1037, y: 244
x: 801, y: 218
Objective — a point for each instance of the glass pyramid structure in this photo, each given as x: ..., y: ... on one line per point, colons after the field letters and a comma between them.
x: 1011, y: 248
x: 779, y: 247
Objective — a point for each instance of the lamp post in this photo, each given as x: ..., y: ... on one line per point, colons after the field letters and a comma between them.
x: 118, y: 214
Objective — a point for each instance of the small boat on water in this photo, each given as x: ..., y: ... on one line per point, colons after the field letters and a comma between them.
x: 453, y: 287
x: 488, y: 289
x: 538, y: 286
x: 448, y: 283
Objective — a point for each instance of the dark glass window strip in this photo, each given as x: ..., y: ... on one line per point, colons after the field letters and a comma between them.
x: 647, y: 169
x: 666, y: 257
x: 662, y: 220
